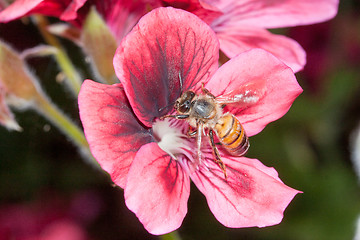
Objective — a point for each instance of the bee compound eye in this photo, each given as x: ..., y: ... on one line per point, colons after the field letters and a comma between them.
x: 184, y: 108
x: 189, y: 95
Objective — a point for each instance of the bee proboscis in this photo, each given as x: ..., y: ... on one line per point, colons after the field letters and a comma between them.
x: 204, y: 111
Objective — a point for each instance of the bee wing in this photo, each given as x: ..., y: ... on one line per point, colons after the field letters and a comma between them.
x: 245, y: 96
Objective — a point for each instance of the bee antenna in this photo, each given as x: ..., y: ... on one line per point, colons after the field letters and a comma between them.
x: 160, y: 109
x: 181, y: 83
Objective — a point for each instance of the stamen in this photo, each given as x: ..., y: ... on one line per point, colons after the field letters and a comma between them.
x: 171, y: 138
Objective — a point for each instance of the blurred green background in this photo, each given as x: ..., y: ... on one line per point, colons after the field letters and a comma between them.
x: 309, y: 147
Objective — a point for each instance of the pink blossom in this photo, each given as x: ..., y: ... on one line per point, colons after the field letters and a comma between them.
x: 64, y: 9
x: 120, y: 16
x: 167, y: 52
x: 44, y: 219
x: 239, y: 25
x: 242, y: 24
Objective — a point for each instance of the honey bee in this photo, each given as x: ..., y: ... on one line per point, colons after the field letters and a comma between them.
x: 205, y: 113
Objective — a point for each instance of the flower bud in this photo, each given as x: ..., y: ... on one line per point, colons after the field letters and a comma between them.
x: 100, y: 45
x: 15, y: 77
x: 6, y: 116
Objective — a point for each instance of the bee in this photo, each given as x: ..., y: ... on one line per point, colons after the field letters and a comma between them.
x: 205, y: 113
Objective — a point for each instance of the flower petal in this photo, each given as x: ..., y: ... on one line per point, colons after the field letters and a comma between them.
x: 157, y: 190
x: 240, y: 39
x: 273, y: 14
x: 261, y: 69
x: 111, y: 128
x: 70, y: 12
x: 65, y: 10
x: 200, y: 8
x: 250, y: 197
x: 166, y: 45
x: 18, y: 9
x: 122, y: 15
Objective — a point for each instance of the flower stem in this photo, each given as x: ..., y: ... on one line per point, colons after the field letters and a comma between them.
x: 171, y: 236
x: 73, y: 78
x: 55, y: 116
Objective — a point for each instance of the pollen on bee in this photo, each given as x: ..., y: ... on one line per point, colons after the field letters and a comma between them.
x: 170, y: 137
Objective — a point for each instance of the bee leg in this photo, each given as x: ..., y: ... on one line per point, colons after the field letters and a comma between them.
x: 191, y: 132
x: 217, y: 154
x: 199, y: 135
x: 183, y: 116
x: 207, y: 92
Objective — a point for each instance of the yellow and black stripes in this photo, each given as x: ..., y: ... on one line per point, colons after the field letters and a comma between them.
x: 232, y: 135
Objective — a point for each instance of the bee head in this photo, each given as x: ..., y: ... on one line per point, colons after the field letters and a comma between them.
x: 183, y: 103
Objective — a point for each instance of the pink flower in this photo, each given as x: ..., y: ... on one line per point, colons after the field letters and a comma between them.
x: 44, y: 219
x: 64, y: 9
x: 239, y: 25
x: 99, y: 25
x: 120, y: 15
x: 243, y: 23
x: 170, y: 51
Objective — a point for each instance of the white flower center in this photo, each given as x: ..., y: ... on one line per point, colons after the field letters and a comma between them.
x: 170, y: 138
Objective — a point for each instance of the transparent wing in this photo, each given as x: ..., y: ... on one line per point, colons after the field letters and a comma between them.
x: 245, y: 96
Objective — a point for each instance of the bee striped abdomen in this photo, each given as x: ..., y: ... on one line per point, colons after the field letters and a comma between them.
x: 232, y: 135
